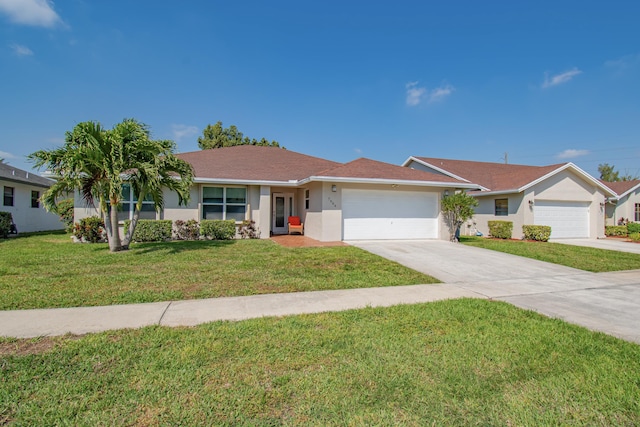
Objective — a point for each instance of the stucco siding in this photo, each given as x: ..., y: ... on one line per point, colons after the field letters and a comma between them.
x: 27, y: 218
x: 485, y: 212
x: 625, y: 208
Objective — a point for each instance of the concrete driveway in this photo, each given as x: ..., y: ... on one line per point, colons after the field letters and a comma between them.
x: 607, y: 302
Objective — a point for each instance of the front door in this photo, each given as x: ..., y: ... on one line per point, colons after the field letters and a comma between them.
x: 282, y: 208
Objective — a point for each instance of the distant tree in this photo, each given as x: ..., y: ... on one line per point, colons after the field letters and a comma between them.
x: 98, y: 162
x: 1, y: 160
x: 456, y: 209
x: 609, y: 174
x: 215, y: 136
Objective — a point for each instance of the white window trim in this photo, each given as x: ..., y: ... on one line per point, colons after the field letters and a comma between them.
x: 224, y: 203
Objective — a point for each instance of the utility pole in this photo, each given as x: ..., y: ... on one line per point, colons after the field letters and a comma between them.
x: 506, y: 158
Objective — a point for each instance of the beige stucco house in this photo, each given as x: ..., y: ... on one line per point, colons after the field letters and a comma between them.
x: 21, y: 191
x: 360, y: 200
x: 562, y: 196
x: 625, y: 205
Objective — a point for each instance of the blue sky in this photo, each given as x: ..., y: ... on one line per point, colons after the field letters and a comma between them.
x: 545, y: 81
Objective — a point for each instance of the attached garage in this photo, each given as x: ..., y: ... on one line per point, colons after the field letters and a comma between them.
x: 566, y: 219
x: 389, y: 214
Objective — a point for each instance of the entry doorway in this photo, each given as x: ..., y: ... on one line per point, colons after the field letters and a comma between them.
x: 282, y: 205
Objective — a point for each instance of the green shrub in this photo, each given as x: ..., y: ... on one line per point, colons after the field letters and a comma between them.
x: 615, y: 230
x: 248, y: 230
x: 501, y: 229
x: 90, y: 229
x: 540, y: 233
x: 635, y: 237
x: 218, y: 229
x: 65, y: 210
x: 633, y: 227
x: 151, y: 230
x: 5, y: 224
x: 186, y: 230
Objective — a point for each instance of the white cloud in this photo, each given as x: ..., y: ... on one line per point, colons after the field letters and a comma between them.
x: 38, y: 13
x: 182, y: 131
x: 572, y: 153
x: 560, y: 78
x: 416, y: 94
x: 21, y: 50
x: 623, y: 63
x: 6, y: 156
x: 440, y: 93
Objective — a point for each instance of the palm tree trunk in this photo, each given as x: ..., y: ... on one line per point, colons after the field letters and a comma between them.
x: 113, y: 235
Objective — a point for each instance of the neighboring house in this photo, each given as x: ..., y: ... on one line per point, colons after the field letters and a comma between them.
x: 362, y: 199
x: 625, y: 205
x: 562, y: 196
x: 21, y: 192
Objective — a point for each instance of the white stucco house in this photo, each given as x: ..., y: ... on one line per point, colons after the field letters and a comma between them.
x: 21, y: 191
x: 359, y: 200
x: 562, y: 196
x: 625, y: 205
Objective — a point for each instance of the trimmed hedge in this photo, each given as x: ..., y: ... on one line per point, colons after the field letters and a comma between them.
x: 501, y: 229
x: 615, y: 230
x: 5, y: 224
x: 635, y: 237
x: 218, y: 229
x: 151, y: 230
x: 633, y: 227
x: 540, y: 233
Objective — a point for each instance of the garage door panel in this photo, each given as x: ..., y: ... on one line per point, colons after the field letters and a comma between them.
x: 566, y: 219
x: 372, y: 214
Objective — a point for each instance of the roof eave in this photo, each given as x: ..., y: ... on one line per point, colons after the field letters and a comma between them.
x: 348, y: 180
x: 228, y: 181
x: 429, y: 165
x: 576, y: 169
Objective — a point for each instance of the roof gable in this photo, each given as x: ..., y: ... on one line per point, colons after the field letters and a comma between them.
x: 501, y: 177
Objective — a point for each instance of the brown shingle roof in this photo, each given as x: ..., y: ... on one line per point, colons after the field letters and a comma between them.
x: 494, y: 176
x: 254, y: 163
x: 371, y: 169
x: 621, y: 187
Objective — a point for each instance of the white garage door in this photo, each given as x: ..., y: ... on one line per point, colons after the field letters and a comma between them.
x: 567, y: 219
x: 377, y: 214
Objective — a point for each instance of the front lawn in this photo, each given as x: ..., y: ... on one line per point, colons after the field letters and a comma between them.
x: 48, y: 270
x: 461, y: 362
x: 580, y: 257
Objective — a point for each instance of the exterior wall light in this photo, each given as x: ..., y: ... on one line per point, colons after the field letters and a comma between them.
x: 531, y: 203
x: 446, y: 193
x: 334, y: 188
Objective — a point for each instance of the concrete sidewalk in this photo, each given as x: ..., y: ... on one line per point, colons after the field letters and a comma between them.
x: 82, y: 320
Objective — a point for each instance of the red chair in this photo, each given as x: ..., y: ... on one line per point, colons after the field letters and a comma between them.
x: 295, y: 226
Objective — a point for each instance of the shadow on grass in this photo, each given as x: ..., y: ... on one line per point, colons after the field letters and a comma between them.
x: 178, y: 246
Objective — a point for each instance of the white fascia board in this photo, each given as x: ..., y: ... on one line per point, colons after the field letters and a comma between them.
x: 245, y: 182
x: 429, y: 165
x: 495, y: 193
x: 389, y: 181
x: 576, y: 169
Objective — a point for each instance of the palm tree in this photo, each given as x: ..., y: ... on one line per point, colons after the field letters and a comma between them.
x: 98, y: 162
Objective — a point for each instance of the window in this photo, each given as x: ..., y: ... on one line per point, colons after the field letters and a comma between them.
x: 224, y: 203
x: 128, y: 205
x: 8, y: 196
x: 637, y: 212
x: 35, y: 199
x: 306, y: 199
x: 502, y: 207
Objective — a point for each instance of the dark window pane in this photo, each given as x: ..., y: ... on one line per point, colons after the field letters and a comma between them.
x: 126, y: 192
x: 8, y: 196
x: 502, y: 207
x: 212, y: 212
x: 212, y: 195
x: 147, y: 207
x: 35, y: 199
x: 236, y: 195
x: 236, y: 213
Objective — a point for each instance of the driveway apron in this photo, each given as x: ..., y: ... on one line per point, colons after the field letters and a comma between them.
x: 606, y: 302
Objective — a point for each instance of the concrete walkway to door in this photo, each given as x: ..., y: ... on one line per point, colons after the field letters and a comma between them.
x: 607, y: 302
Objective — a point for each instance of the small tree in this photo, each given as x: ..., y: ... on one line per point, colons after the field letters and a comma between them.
x: 457, y: 209
x: 608, y: 173
x: 215, y: 136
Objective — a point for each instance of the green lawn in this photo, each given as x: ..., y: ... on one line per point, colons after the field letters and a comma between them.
x: 48, y: 270
x: 460, y: 362
x: 580, y: 257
